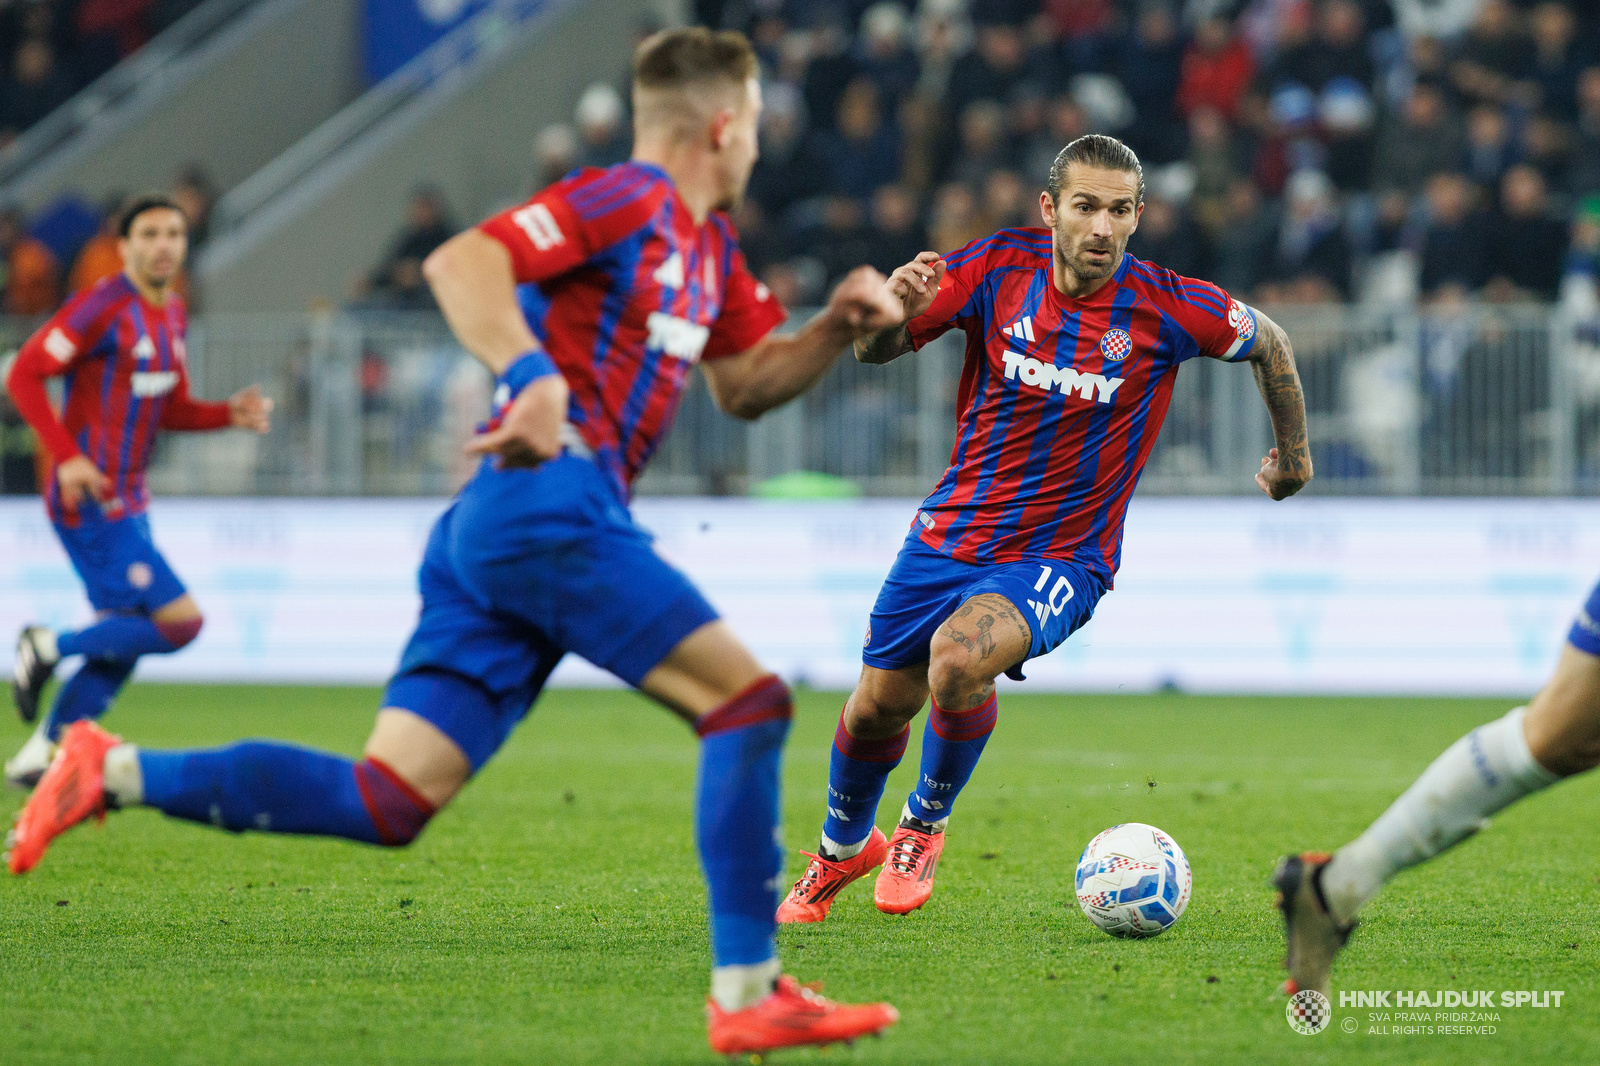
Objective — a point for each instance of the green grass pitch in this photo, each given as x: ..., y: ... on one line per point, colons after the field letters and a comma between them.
x: 554, y: 913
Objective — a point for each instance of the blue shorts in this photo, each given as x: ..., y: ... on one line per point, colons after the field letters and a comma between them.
x: 120, y: 566
x: 1585, y: 632
x: 924, y: 587
x: 525, y: 566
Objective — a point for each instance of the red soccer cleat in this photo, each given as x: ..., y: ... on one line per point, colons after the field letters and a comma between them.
x: 794, y: 1014
x: 70, y: 791
x: 907, y: 878
x: 814, y: 893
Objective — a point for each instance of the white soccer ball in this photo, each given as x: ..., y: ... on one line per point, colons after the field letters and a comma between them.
x: 1133, y: 880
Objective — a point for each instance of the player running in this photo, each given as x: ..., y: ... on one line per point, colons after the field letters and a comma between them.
x: 633, y: 275
x: 1529, y: 749
x: 120, y: 345
x: 1072, y: 350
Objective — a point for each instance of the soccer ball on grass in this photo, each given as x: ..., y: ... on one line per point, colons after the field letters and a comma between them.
x: 1133, y: 880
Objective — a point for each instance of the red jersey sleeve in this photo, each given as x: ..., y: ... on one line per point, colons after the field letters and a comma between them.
x: 56, y: 347
x: 1222, y: 327
x: 749, y: 312
x: 952, y: 304
x: 574, y: 219
x: 184, y: 412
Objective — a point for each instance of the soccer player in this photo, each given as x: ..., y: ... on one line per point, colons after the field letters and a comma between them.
x: 631, y: 275
x: 1555, y: 736
x: 1072, y: 349
x: 120, y: 345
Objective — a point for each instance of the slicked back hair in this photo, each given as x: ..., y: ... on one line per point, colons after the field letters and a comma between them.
x: 682, y: 58
x: 1094, y: 150
x: 139, y: 205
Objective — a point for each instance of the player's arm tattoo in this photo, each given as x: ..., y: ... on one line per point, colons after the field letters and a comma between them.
x: 884, y: 346
x: 1272, y: 361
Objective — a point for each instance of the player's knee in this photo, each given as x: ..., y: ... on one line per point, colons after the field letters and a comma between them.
x: 181, y: 632
x: 955, y: 673
x: 398, y: 811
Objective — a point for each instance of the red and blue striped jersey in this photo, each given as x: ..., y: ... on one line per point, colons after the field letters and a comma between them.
x: 124, y: 362
x: 1060, y: 399
x: 627, y: 294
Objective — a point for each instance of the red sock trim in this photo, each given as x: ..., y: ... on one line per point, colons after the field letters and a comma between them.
x: 405, y: 827
x: 973, y: 724
x: 766, y: 700
x: 889, y: 749
x: 179, y: 633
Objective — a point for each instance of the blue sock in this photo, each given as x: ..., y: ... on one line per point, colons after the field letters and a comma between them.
x: 281, y: 788
x: 87, y: 693
x: 120, y: 636
x: 737, y: 821
x: 857, y: 771
x: 951, y: 744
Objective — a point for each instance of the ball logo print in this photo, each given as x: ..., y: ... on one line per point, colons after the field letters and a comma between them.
x: 1116, y: 344
x: 1309, y: 1012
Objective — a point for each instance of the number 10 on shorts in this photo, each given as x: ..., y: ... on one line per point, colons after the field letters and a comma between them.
x: 1051, y: 605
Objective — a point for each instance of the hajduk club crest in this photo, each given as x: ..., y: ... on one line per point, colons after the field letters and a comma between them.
x: 1116, y: 344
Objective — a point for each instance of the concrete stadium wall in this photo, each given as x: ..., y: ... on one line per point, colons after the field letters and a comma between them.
x: 472, y: 138
x: 1465, y: 597
x: 240, y: 101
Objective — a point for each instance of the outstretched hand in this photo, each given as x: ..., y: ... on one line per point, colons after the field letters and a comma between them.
x: 248, y: 409
x: 1282, y: 480
x: 864, y: 303
x: 917, y: 283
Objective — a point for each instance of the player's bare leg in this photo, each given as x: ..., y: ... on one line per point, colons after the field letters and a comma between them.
x: 1529, y: 749
x: 873, y: 727
x: 741, y: 713
x: 986, y: 636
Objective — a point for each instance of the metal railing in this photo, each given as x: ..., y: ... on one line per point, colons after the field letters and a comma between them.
x: 1484, y: 401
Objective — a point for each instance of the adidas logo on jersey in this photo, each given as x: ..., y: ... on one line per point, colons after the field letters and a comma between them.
x: 144, y: 350
x: 1021, y: 329
x: 676, y: 337
x: 670, y: 273
x: 1047, y: 376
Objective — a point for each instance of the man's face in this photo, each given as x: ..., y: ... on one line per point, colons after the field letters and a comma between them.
x: 1095, y: 214
x: 154, y: 248
x: 739, y: 145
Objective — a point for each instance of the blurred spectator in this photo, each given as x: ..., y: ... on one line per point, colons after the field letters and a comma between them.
x: 555, y: 154
x: 194, y: 195
x: 896, y: 237
x: 1294, y: 51
x: 30, y: 285
x: 1546, y: 147
x: 98, y: 259
x: 1556, y: 62
x: 397, y: 282
x: 1006, y: 202
x: 1422, y: 141
x: 983, y: 142
x: 1150, y: 69
x: 1584, y: 177
x: 1215, y: 158
x: 841, y: 242
x: 1065, y: 123
x: 1341, y: 49
x: 885, y: 57
x: 33, y: 89
x: 1493, y: 56
x: 1217, y: 68
x: 1453, y: 252
x: 863, y: 148
x: 955, y: 219
x: 1346, y: 113
x: 829, y: 67
x: 789, y: 168
x: 603, y: 141
x: 990, y: 71
x: 1246, y: 243
x: 1168, y: 237
x: 1527, y: 246
x: 1489, y: 146
x: 1312, y: 262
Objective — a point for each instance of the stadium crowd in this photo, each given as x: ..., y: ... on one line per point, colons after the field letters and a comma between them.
x: 1306, y: 151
